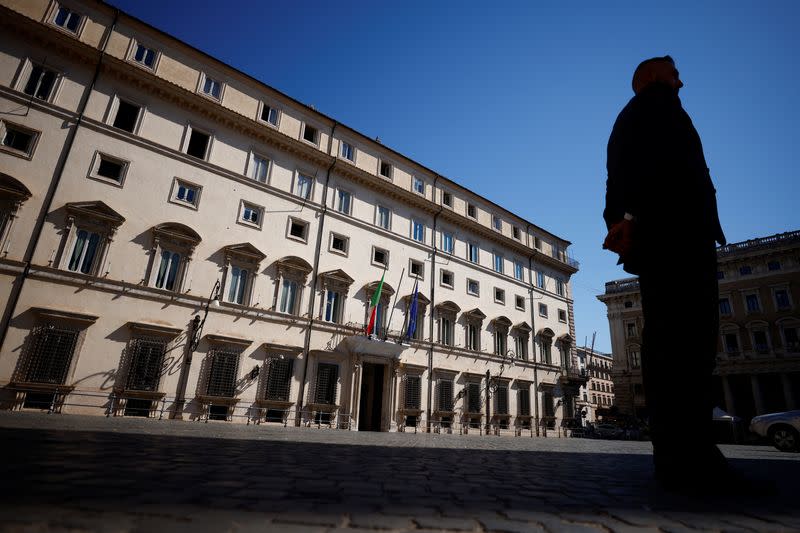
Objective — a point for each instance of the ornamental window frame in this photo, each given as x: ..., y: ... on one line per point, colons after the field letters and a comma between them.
x: 446, y: 315
x: 244, y: 219
x: 338, y: 283
x: 294, y: 222
x: 344, y: 238
x: 97, y: 161
x: 262, y: 106
x: 243, y: 256
x: 112, y: 113
x: 473, y: 328
x: 133, y: 50
x: 189, y: 201
x: 775, y: 289
x: 7, y: 127
x: 189, y: 131
x: 501, y: 327
x: 93, y: 218
x: 290, y: 269
x: 422, y: 305
x: 24, y: 76
x: 301, y: 181
x: 55, y: 10
x: 13, y: 194
x: 204, y: 80
x: 258, y: 164
x: 172, y: 238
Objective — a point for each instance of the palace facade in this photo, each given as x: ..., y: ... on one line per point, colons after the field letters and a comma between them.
x: 181, y: 240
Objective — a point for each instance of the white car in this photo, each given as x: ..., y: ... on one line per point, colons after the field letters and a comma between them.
x: 782, y: 429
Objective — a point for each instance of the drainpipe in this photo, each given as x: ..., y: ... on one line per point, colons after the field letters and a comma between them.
x: 314, y: 273
x: 533, y: 331
x: 432, y: 304
x: 16, y: 290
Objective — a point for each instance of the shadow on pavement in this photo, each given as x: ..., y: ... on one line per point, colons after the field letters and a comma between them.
x: 116, y: 469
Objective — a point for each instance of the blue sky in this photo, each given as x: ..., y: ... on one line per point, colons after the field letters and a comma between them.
x: 515, y: 100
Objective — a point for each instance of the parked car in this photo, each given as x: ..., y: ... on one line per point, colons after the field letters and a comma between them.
x: 782, y: 429
x: 607, y: 431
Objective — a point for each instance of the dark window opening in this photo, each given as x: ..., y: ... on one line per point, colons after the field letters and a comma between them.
x: 147, y: 358
x: 198, y: 144
x: 413, y: 392
x: 18, y: 140
x: 110, y: 169
x: 445, y: 395
x: 310, y: 134
x: 40, y: 83
x: 127, y: 115
x: 279, y: 379
x: 222, y: 374
x: 327, y: 376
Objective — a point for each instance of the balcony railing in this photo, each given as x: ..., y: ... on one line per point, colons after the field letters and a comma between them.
x: 755, y: 244
x: 622, y: 285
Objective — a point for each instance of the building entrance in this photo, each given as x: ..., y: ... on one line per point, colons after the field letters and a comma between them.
x: 371, y: 403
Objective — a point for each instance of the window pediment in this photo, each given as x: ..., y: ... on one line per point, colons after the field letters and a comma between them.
x: 386, y: 291
x: 501, y: 321
x: 422, y: 300
x: 475, y: 315
x: 336, y: 277
x: 13, y: 189
x: 448, y: 307
x: 244, y: 252
x: 160, y: 330
x: 177, y: 233
x: 546, y: 332
x: 566, y: 338
x: 97, y: 212
x: 523, y: 327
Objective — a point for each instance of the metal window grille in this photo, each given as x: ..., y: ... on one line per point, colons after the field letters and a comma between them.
x: 547, y: 401
x: 501, y: 400
x: 223, y: 371
x: 413, y: 392
x: 51, y: 354
x: 445, y: 395
x: 524, y: 402
x: 147, y: 358
x: 279, y: 379
x: 474, y: 398
x: 327, y: 376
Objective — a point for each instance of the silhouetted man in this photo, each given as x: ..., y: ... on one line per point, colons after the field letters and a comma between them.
x: 661, y: 212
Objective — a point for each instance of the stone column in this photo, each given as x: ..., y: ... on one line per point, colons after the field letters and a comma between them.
x: 756, y: 386
x: 730, y: 406
x: 788, y: 394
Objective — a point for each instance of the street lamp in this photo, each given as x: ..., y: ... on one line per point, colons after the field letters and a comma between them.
x: 197, y: 323
x: 492, y: 383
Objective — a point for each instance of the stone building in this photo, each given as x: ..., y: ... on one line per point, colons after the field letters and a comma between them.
x: 598, y: 393
x: 758, y: 354
x: 181, y: 240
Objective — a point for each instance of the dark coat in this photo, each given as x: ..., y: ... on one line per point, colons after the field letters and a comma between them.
x: 657, y: 172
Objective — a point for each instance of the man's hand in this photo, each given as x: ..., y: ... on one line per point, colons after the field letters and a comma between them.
x: 620, y: 238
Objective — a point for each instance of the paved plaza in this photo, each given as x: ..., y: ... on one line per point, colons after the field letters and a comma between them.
x: 78, y: 473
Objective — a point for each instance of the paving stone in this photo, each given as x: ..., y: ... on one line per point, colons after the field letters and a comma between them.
x: 379, y: 521
x: 497, y: 524
x: 443, y: 522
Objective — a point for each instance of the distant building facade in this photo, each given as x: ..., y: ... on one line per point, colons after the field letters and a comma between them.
x: 758, y: 354
x: 180, y: 240
x: 598, y: 393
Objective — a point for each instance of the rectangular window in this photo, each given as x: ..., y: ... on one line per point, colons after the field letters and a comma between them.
x: 186, y: 193
x: 472, y: 252
x: 310, y: 134
x: 303, y: 186
x: 212, y: 88
x: 521, y: 346
x: 519, y: 302
x: 17, y: 139
x: 333, y: 306
x: 447, y: 199
x: 731, y: 343
x: 515, y: 232
x: 519, y: 271
x: 752, y: 303
x: 344, y: 202
x: 501, y: 399
x: 109, y: 168
x: 499, y: 296
x: 418, y: 231
x: 41, y: 82
x: 67, y: 19
x: 446, y: 278
x: 745, y: 270
x: 237, y: 285
x: 720, y: 274
x: 127, y: 118
x: 562, y: 316
x: 473, y: 337
x: 635, y: 359
x: 537, y: 243
x: 448, y: 243
x: 773, y: 266
x: 760, y: 341
x: 146, y: 359
x: 144, y: 56
x: 497, y: 223
x: 288, y: 301
x: 168, y: 270
x: 279, y: 379
x: 540, y: 280
x: 416, y: 269
x: 84, y: 252
x: 327, y: 378
x: 473, y: 287
x: 384, y: 217
x: 380, y: 257
x: 418, y: 185
x: 500, y: 342
x: 339, y: 243
x: 51, y: 352
x: 472, y: 211
x: 347, y: 151
x: 298, y: 229
x: 498, y: 263
x: 445, y: 395
x: 412, y: 397
x: 269, y: 115
x: 252, y: 214
x: 198, y: 144
x: 223, y: 372
x: 260, y: 170
x: 473, y: 402
x: 385, y: 169
x: 543, y: 310
x: 560, y: 287
x: 724, y: 306
x: 782, y: 299
x: 524, y: 402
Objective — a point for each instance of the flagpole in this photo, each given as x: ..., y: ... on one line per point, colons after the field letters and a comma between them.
x: 391, y: 313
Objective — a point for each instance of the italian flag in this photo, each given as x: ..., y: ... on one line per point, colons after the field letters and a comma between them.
x: 373, y: 305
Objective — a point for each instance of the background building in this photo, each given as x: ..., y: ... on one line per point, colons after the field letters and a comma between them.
x: 179, y: 239
x: 598, y: 393
x: 758, y: 355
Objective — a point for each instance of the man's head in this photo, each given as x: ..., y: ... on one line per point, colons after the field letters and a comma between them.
x: 656, y: 70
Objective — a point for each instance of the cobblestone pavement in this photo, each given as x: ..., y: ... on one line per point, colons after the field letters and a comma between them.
x: 77, y: 473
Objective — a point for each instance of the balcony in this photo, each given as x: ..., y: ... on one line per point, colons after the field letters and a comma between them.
x: 622, y: 285
x: 757, y: 244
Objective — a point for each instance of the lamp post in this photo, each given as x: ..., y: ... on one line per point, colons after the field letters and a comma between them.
x: 196, y: 332
x: 492, y: 383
